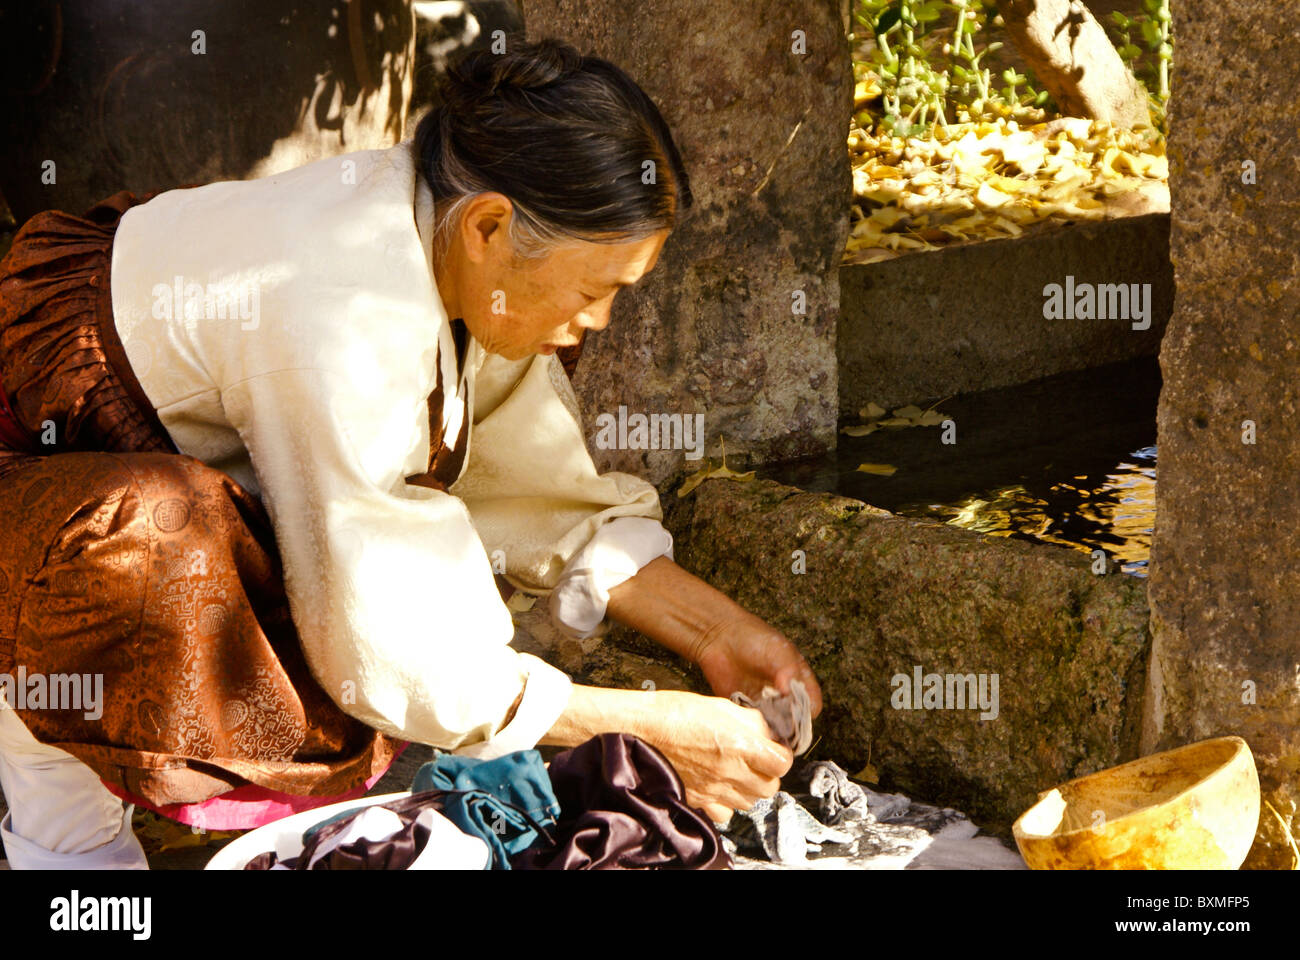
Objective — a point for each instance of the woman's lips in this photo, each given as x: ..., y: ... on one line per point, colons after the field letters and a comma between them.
x: 549, y: 348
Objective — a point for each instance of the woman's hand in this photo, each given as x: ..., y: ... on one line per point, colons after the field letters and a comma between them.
x: 735, y: 649
x: 724, y: 753
x: 744, y: 653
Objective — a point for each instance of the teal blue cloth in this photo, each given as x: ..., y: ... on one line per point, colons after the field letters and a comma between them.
x: 504, y: 801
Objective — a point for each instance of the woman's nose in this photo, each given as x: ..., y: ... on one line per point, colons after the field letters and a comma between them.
x: 595, y: 317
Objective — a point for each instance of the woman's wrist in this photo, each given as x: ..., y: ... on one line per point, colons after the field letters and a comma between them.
x: 592, y: 711
x: 674, y: 608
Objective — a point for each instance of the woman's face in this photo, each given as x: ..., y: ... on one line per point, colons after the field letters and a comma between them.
x: 516, y: 308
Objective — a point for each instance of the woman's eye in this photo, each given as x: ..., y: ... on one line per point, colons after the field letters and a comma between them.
x: 587, y: 297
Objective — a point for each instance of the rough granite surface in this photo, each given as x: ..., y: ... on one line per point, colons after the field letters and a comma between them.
x: 737, y: 320
x: 884, y: 595
x: 1225, y: 568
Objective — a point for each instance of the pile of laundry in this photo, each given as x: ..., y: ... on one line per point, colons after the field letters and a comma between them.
x: 615, y: 802
x: 822, y: 819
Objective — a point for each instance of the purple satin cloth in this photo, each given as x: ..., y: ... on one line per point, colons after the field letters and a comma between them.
x: 623, y: 807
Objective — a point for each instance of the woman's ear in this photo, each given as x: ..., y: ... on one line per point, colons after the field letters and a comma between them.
x: 485, y: 224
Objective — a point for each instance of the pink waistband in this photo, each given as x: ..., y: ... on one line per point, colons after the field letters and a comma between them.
x: 246, y: 807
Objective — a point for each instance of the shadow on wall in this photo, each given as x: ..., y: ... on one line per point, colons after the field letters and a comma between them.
x: 98, y: 96
x: 445, y: 29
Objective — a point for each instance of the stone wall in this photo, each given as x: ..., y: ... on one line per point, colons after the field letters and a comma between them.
x: 1225, y: 581
x: 881, y: 595
x: 970, y: 317
x: 113, y: 94
x: 758, y: 95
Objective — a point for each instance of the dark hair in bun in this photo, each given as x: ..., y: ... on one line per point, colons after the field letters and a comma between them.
x: 575, y: 144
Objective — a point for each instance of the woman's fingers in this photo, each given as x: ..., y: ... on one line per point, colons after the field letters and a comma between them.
x: 718, y: 814
x: 812, y: 686
x: 722, y: 798
x: 723, y: 752
x: 765, y: 755
x: 799, y: 670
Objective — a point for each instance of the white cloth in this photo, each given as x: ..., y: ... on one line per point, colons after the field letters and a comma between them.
x: 61, y: 816
x: 616, y: 552
x: 316, y: 398
x: 448, y: 847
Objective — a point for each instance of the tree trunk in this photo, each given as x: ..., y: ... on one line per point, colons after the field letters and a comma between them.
x: 1072, y: 57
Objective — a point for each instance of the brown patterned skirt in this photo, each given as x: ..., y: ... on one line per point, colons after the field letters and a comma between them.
x: 121, y: 558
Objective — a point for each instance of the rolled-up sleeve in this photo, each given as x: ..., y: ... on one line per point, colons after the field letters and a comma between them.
x: 388, y: 583
x: 540, y: 505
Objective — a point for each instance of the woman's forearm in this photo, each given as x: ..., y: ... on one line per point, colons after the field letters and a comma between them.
x: 673, y: 607
x: 592, y: 711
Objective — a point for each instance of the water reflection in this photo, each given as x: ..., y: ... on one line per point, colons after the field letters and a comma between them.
x: 1113, y: 511
x: 1068, y: 460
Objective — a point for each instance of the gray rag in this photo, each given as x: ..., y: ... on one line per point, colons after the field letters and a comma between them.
x: 788, y: 826
x: 837, y: 797
x: 785, y: 830
x: 789, y: 715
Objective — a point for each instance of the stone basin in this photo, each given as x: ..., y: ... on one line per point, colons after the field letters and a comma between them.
x: 883, y: 597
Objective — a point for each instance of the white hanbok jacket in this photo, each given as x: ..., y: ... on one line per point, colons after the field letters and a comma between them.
x: 289, y: 332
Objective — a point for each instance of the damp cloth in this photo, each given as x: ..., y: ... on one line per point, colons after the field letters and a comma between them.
x: 788, y: 715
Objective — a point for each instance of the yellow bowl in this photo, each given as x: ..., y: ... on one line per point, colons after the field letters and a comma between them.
x: 1196, y: 807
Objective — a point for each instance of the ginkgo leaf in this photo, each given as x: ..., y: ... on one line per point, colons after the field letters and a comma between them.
x: 868, y: 774
x: 932, y: 418
x: 887, y: 216
x: 879, y: 469
x: 868, y: 88
x: 521, y: 602
x: 990, y: 197
x: 895, y: 422
x: 859, y: 431
x: 719, y: 473
x: 872, y: 411
x: 192, y: 839
x: 909, y: 412
x: 971, y: 181
x: 726, y: 473
x: 1013, y: 185
x: 884, y: 191
x: 691, y: 482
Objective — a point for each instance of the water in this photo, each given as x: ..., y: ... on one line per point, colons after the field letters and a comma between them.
x: 1069, y: 460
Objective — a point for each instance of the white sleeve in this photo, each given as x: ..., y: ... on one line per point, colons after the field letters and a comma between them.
x: 616, y: 552
x: 538, y: 502
x: 389, y: 586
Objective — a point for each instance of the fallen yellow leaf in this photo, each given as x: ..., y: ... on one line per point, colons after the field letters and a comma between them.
x: 990, y: 197
x: 520, y: 602
x: 859, y: 431
x: 722, y: 472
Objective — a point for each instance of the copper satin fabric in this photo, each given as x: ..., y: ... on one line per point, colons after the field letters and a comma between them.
x: 121, y: 557
x: 54, y: 362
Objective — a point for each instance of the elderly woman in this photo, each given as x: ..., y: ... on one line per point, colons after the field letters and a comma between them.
x: 260, y: 483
